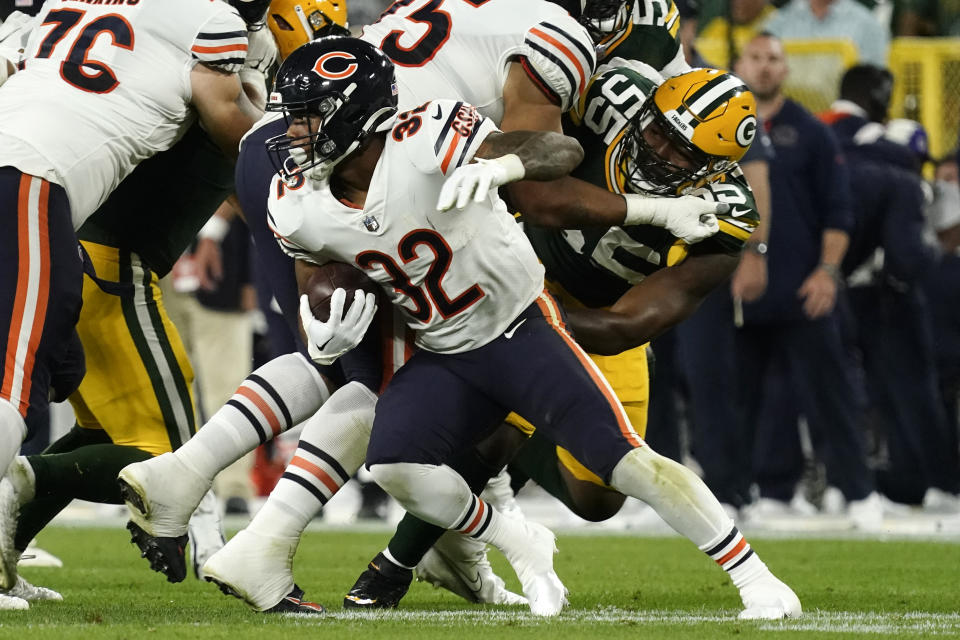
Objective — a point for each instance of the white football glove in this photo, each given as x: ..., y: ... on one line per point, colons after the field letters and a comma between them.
x: 14, y: 33
x: 689, y: 218
x: 475, y: 180
x: 327, y: 341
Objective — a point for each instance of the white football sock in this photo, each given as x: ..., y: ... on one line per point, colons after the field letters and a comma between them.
x: 675, y: 492
x: 280, y: 394
x: 12, y: 432
x: 439, y: 495
x: 687, y: 505
x: 332, y: 447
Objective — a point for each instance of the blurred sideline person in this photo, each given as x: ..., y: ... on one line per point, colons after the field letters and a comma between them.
x: 833, y: 19
x: 889, y: 255
x: 794, y: 322
x: 129, y: 238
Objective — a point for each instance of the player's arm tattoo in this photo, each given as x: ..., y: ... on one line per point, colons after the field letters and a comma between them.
x: 545, y: 155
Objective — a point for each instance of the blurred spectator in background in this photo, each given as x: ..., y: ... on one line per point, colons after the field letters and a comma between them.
x: 891, y: 321
x: 689, y: 11
x: 926, y: 17
x: 943, y: 291
x: 840, y: 19
x: 865, y: 91
x: 729, y: 32
x: 794, y: 322
x: 944, y: 211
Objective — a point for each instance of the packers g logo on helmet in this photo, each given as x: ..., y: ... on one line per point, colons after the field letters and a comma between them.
x: 708, y: 114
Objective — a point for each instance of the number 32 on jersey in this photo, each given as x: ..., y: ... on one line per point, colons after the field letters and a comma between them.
x: 409, y: 251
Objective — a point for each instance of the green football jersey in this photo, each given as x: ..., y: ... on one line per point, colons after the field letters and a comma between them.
x: 597, y: 266
x: 651, y: 36
x: 157, y: 210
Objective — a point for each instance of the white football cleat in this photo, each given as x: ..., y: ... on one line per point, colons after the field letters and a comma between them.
x: 768, y: 598
x: 9, y: 509
x: 34, y: 556
x: 532, y: 560
x: 459, y: 564
x: 499, y: 493
x: 11, y: 603
x: 31, y: 593
x: 161, y: 494
x: 257, y: 569
x: 205, y: 531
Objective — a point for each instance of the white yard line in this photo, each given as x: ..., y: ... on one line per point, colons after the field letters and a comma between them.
x: 824, y: 621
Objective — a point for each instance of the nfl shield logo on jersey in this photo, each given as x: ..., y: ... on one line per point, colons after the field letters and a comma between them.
x: 371, y: 223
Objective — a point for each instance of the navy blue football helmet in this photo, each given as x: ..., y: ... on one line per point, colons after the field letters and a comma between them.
x: 606, y: 18
x: 603, y: 19
x: 346, y: 89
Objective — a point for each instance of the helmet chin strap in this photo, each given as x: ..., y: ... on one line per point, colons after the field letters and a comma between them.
x: 380, y: 121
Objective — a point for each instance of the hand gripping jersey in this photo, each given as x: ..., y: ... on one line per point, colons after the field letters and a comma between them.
x: 106, y: 85
x: 461, y: 49
x: 460, y: 277
x: 597, y: 265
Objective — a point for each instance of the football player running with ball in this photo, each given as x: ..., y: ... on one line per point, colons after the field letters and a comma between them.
x: 524, y: 73
x: 490, y: 338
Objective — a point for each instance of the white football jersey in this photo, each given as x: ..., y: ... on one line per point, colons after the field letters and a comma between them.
x: 459, y: 276
x: 107, y: 85
x: 470, y: 43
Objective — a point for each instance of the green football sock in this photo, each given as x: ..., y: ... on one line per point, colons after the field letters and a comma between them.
x: 86, y: 473
x: 537, y: 460
x: 77, y: 437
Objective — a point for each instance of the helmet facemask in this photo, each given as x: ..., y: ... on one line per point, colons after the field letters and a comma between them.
x: 341, y: 130
x: 647, y: 172
x: 334, y: 93
x: 605, y: 18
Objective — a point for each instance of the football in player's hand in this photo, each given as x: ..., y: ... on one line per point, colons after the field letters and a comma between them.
x: 331, y: 276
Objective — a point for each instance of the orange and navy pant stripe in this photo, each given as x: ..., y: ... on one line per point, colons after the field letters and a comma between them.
x: 41, y: 282
x: 553, y: 315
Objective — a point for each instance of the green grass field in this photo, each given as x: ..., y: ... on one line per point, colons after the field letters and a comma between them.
x: 619, y: 587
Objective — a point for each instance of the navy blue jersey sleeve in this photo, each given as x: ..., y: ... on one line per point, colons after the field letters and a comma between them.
x: 831, y: 180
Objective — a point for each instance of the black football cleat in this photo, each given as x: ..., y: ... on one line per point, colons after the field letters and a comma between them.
x: 381, y: 586
x: 166, y: 555
x: 293, y: 602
